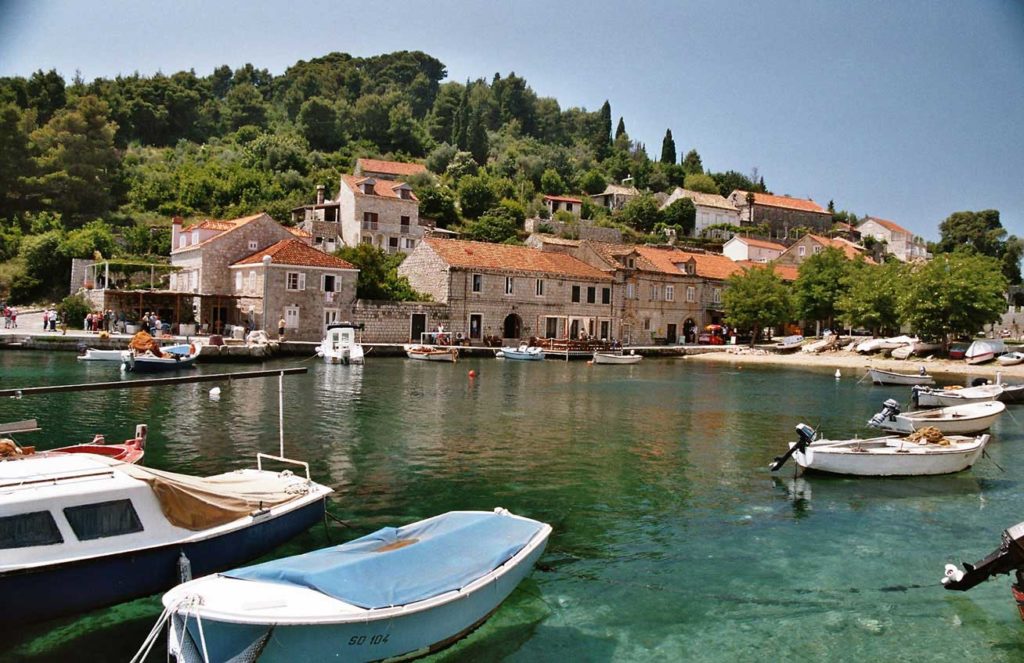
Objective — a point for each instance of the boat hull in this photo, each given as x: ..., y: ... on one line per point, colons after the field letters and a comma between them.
x: 91, y: 354
x: 945, y: 398
x: 879, y: 376
x: 71, y: 588
x: 158, y: 364
x: 957, y: 420
x: 517, y: 355
x: 600, y: 358
x: 431, y: 356
x: 915, y: 461
x: 411, y: 633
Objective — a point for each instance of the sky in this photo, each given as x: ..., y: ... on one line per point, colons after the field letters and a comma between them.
x: 906, y: 110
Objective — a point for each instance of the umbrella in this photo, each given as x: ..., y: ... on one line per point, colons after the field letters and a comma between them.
x: 713, y: 327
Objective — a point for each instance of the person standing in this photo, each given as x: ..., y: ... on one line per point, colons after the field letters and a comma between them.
x: 46, y: 318
x: 53, y: 319
x: 280, y: 329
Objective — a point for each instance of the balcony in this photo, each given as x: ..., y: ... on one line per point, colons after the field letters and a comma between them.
x: 370, y: 225
x: 405, y: 229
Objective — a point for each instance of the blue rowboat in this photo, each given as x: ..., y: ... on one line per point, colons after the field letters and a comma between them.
x: 401, y: 592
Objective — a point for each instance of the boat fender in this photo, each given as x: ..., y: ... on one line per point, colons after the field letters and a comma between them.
x: 98, y: 439
x: 184, y: 568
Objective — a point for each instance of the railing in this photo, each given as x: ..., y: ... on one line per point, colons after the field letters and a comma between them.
x: 281, y: 459
x: 571, y: 345
x: 405, y: 229
x: 370, y: 225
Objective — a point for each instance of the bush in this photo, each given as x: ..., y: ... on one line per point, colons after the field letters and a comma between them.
x: 73, y: 309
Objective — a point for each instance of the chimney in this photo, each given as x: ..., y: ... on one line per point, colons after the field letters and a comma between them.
x: 320, y: 194
x: 175, y: 231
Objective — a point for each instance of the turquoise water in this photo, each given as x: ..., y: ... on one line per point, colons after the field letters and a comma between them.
x: 671, y: 539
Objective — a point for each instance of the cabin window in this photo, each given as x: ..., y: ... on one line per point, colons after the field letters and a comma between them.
x: 29, y: 529
x: 329, y: 282
x: 103, y: 519
x: 591, y: 295
x: 606, y: 295
x: 576, y: 294
x: 295, y: 281
x: 478, y: 282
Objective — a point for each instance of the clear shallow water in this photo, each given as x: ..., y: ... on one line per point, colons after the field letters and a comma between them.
x: 671, y: 539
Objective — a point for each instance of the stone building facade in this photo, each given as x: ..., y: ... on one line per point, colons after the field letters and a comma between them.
x: 712, y: 209
x: 781, y: 214
x: 811, y: 244
x: 504, y: 293
x: 399, y: 322
x: 899, y: 241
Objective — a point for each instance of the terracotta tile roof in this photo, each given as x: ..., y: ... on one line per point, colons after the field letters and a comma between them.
x: 617, y: 190
x: 700, y: 198
x: 848, y: 248
x: 225, y: 226
x: 396, y: 168
x: 300, y: 254
x: 666, y: 259
x: 298, y: 232
x: 892, y: 226
x: 761, y: 243
x: 786, y: 202
x: 482, y: 255
x: 381, y: 187
x: 556, y: 240
x: 785, y: 272
x: 711, y: 265
x: 563, y: 199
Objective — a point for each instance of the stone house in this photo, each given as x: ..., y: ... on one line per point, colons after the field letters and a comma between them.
x: 899, y: 241
x: 292, y: 281
x: 781, y: 214
x: 811, y: 244
x: 563, y: 203
x: 512, y: 292
x: 712, y: 209
x: 202, y: 254
x: 748, y: 248
x: 615, y: 196
x: 388, y: 170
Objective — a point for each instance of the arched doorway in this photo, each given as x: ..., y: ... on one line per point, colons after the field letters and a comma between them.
x: 513, y: 326
x: 689, y: 331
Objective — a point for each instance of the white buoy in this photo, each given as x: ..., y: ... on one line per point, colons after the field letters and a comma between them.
x: 838, y: 374
x: 215, y: 394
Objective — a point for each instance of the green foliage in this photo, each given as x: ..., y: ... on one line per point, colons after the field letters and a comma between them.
x: 641, y: 213
x: 318, y: 121
x: 551, y: 183
x: 438, y: 204
x: 592, y: 182
x: 731, y: 180
x: 700, y: 182
x: 15, y: 161
x: 475, y: 196
x: 757, y: 298
x: 820, y: 284
x: 668, y: 148
x: 378, y: 274
x: 955, y: 293
x: 73, y: 310
x: 93, y: 240
x: 692, y: 164
x: 871, y: 296
x: 682, y: 215
x: 440, y: 157
x: 982, y: 233
x: 497, y: 225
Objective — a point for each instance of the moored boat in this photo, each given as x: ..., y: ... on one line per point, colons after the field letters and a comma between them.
x: 887, y: 456
x: 130, y: 451
x: 617, y: 358
x: 933, y: 397
x: 429, y: 353
x: 1011, y: 358
x: 879, y: 376
x: 522, y: 353
x: 966, y: 419
x: 93, y: 354
x: 397, y: 593
x: 340, y: 346
x: 983, y: 350
x: 83, y: 531
x: 789, y: 343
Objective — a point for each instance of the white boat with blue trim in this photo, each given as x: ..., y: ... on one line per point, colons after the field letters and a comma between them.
x: 397, y: 593
x: 340, y: 346
x: 522, y: 353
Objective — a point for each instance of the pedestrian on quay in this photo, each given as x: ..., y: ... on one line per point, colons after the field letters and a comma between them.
x: 14, y: 318
x: 53, y: 319
x: 280, y: 330
x: 46, y: 319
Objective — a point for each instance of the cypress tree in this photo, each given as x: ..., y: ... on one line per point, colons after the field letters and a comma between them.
x: 668, y: 148
x: 621, y: 129
x: 460, y: 125
x: 476, y: 136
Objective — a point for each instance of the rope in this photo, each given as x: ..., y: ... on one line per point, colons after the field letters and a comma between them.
x: 147, y: 644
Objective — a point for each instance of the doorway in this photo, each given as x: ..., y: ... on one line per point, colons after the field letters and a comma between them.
x: 418, y: 325
x: 513, y: 327
x: 670, y: 334
x: 476, y: 323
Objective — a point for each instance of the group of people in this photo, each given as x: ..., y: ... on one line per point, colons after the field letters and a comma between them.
x: 106, y: 321
x: 10, y: 317
x: 50, y: 319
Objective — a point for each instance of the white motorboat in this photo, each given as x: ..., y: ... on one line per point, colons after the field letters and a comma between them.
x: 93, y: 354
x: 395, y: 594
x: 789, y: 343
x: 522, y: 353
x: 82, y: 531
x: 430, y: 353
x: 915, y: 349
x: 933, y: 397
x: 892, y: 455
x: 878, y: 344
x: 1010, y: 358
x: 966, y: 419
x: 879, y: 376
x: 617, y: 358
x: 983, y: 350
x: 340, y: 346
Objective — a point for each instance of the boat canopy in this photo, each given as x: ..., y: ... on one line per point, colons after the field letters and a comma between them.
x: 399, y: 566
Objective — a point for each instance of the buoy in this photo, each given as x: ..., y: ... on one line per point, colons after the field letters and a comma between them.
x: 472, y: 374
x: 838, y: 374
x: 215, y: 394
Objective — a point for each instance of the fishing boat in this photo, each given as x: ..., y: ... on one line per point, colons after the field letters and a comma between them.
x: 340, y: 346
x: 397, y: 593
x: 967, y: 419
x: 93, y: 354
x: 522, y: 353
x: 1010, y: 358
x: 1007, y: 558
x: 879, y: 376
x: 617, y: 358
x: 789, y: 343
x: 933, y: 397
x: 887, y: 456
x: 83, y: 531
x: 983, y: 350
x: 915, y: 349
x: 130, y: 451
x: 431, y: 353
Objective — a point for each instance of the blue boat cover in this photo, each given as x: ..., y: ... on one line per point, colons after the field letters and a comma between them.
x: 398, y: 566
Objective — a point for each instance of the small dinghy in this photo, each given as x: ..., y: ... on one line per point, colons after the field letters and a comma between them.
x: 399, y: 592
x: 920, y: 454
x: 932, y: 397
x: 613, y: 358
x: 879, y: 376
x: 428, y: 353
x: 967, y: 419
x: 522, y: 353
x: 1010, y: 358
x: 92, y: 354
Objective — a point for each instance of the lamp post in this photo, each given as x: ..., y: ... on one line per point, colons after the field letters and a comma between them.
x: 266, y: 276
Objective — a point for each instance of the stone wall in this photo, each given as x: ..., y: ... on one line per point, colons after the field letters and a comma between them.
x: 389, y: 212
x: 583, y: 229
x: 79, y: 267
x: 391, y: 322
x: 427, y: 272
x: 312, y: 302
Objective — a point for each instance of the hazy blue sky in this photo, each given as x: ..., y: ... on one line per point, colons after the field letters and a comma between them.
x: 904, y: 110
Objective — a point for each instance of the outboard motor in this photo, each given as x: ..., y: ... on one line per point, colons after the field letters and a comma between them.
x: 890, y: 409
x: 806, y: 436
x: 1009, y: 556
x: 915, y: 395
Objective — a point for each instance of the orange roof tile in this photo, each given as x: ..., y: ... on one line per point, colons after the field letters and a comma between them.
x: 889, y: 225
x: 482, y: 255
x: 294, y: 252
x: 783, y: 201
x: 711, y: 265
x: 563, y: 199
x: 383, y: 188
x: 298, y: 232
x: 397, y: 168
x: 225, y: 226
x: 785, y: 272
x: 667, y: 259
x: 849, y: 249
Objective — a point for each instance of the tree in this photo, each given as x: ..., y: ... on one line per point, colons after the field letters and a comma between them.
x: 439, y: 205
x: 592, y: 182
x: 244, y: 105
x: 954, y: 293
x: 15, y: 161
x: 318, y: 121
x: 680, y: 213
x: 692, y: 163
x: 668, y: 148
x: 981, y: 232
x: 820, y: 284
x: 700, y: 182
x: 475, y: 196
x: 641, y: 213
x: 601, y: 135
x: 871, y: 296
x: 479, y: 145
x: 496, y: 225
x: 756, y: 298
x: 378, y: 274
x: 551, y: 183
x: 620, y: 130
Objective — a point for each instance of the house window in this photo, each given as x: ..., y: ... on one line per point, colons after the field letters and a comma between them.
x: 716, y: 295
x: 329, y: 283
x: 252, y: 281
x: 630, y: 291
x: 238, y: 281
x: 509, y: 285
x: 193, y: 278
x: 405, y: 224
x: 630, y: 263
x: 182, y: 241
x: 817, y: 249
x: 29, y: 529
x: 478, y: 282
x: 103, y: 519
x: 606, y: 295
x: 410, y: 243
x: 476, y: 323
x: 551, y: 328
x: 540, y: 287
x: 647, y: 324
x: 801, y: 251
x: 670, y: 293
x: 576, y: 294
x: 591, y: 294
x: 291, y: 317
x: 367, y: 240
x: 369, y: 220
x: 252, y: 245
x: 691, y: 293
x: 392, y: 244
x: 568, y: 207
x: 654, y: 293
x: 195, y: 236
x: 295, y: 281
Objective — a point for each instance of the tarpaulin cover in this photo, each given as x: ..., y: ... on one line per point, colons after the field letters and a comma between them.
x: 398, y: 566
